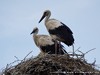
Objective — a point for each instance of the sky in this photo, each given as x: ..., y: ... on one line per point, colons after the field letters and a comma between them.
x: 19, y: 17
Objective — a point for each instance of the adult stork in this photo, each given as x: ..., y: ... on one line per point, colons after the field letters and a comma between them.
x: 46, y: 43
x: 58, y: 30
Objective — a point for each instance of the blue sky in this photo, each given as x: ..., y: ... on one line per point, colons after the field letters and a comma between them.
x: 19, y: 17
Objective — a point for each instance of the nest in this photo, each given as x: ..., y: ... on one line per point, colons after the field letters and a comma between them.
x: 52, y: 64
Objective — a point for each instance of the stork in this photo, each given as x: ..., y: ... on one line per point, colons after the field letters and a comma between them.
x: 58, y: 30
x: 46, y: 43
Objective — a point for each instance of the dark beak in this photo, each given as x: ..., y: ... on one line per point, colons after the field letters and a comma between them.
x: 32, y: 32
x: 42, y: 18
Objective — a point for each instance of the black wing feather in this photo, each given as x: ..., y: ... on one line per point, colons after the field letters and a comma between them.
x: 63, y: 32
x: 67, y: 28
x: 50, y: 49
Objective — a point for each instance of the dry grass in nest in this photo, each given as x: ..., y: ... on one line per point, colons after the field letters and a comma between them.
x: 52, y: 64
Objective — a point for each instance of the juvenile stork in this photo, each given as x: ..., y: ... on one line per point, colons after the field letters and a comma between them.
x: 58, y: 30
x: 46, y: 43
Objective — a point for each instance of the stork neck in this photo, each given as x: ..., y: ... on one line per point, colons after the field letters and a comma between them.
x: 47, y: 17
x: 34, y: 35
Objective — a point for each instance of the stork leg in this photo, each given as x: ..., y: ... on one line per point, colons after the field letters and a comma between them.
x: 73, y: 50
x: 59, y: 47
x: 55, y: 47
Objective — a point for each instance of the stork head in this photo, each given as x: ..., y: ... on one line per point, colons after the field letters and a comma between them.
x: 35, y: 30
x: 46, y: 13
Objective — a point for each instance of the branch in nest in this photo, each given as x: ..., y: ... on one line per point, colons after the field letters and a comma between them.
x: 77, y: 49
x: 75, y: 54
x: 90, y: 50
x: 93, y: 64
x: 83, y: 54
x: 16, y: 57
x: 27, y: 56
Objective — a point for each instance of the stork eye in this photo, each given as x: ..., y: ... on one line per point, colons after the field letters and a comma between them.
x: 45, y: 13
x: 35, y: 30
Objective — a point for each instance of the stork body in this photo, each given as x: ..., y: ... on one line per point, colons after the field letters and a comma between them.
x: 58, y: 30
x: 46, y: 43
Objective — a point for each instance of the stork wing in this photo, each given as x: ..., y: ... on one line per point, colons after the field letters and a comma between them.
x: 63, y: 31
x: 66, y: 28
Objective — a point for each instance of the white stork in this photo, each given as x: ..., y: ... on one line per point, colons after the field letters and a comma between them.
x: 58, y: 30
x: 46, y: 43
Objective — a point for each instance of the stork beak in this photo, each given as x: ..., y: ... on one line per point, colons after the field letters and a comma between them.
x: 42, y: 18
x: 32, y: 32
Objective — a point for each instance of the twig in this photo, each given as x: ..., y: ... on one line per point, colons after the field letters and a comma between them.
x: 77, y: 49
x: 80, y: 52
x: 83, y: 54
x: 97, y: 65
x: 16, y: 57
x: 9, y: 66
x: 27, y: 55
x: 90, y: 50
x: 75, y: 55
x: 14, y: 62
x: 94, y: 62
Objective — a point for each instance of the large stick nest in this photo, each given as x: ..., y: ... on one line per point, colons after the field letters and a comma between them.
x: 52, y: 64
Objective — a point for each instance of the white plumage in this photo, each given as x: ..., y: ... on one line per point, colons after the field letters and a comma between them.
x: 58, y: 30
x: 46, y: 43
x: 52, y: 24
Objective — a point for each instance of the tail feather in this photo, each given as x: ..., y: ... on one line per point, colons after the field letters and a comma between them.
x: 69, y: 42
x: 50, y: 49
